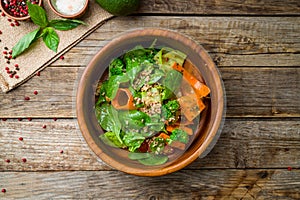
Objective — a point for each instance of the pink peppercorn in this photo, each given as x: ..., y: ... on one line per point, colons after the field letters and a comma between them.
x: 54, y: 119
x: 0, y: 32
x: 38, y: 73
x: 24, y: 160
x: 26, y: 98
x: 44, y: 126
x: 289, y: 168
x: 6, y: 68
x: 7, y: 160
x: 16, y: 76
x: 29, y: 119
x: 61, y: 151
x: 3, y: 190
x: 35, y: 92
x: 61, y: 57
x: 20, y: 138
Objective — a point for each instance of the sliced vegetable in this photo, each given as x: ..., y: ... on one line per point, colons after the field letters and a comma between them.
x: 123, y: 100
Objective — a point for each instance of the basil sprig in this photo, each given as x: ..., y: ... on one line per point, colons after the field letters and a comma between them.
x: 46, y: 30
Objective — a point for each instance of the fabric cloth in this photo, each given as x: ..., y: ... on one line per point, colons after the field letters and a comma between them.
x: 38, y: 56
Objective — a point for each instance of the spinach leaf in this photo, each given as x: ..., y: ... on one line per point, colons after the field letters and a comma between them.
x: 102, y: 93
x: 136, y: 57
x: 25, y: 42
x: 157, y: 145
x: 156, y: 76
x: 133, y: 119
x: 111, y: 139
x: 138, y: 156
x: 65, y: 24
x: 116, y: 67
x: 114, y: 83
x: 37, y: 14
x: 133, y: 141
x: 171, y: 83
x: 154, y: 160
x: 108, y: 118
x: 51, y: 38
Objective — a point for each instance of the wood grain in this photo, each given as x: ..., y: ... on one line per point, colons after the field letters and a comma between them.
x: 243, y: 144
x: 250, y: 91
x: 186, y: 184
x: 231, y: 41
x: 221, y: 7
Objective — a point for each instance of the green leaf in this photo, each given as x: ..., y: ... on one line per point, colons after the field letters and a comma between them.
x: 111, y: 139
x: 154, y: 160
x: 133, y: 119
x: 51, y: 38
x: 133, y: 141
x: 179, y: 135
x: 25, y: 42
x: 138, y: 156
x: 108, y: 118
x: 113, y: 85
x: 65, y: 24
x: 37, y: 14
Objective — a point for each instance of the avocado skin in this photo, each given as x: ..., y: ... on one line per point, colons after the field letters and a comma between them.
x: 119, y: 7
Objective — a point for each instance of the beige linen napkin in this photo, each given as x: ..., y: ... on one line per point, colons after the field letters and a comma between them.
x: 39, y: 56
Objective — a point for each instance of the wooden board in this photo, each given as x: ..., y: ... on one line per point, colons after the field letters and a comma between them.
x: 185, y: 184
x: 243, y: 144
x: 219, y: 7
x: 250, y: 91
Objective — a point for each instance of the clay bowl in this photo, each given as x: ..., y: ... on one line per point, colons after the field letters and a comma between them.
x: 10, y: 15
x: 198, y: 63
x: 55, y: 9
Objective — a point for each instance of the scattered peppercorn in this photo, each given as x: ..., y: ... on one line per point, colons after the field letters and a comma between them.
x: 7, y: 160
x: 289, y: 168
x: 35, y: 92
x: 29, y: 119
x: 44, y: 126
x: 61, y: 57
x: 26, y: 98
x: 24, y: 160
x: 61, y: 151
x: 3, y: 190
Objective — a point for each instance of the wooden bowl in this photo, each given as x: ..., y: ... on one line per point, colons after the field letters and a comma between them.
x: 8, y: 14
x: 80, y: 13
x: 211, y: 120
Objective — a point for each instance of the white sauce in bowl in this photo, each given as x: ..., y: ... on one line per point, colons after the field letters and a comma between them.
x: 69, y: 7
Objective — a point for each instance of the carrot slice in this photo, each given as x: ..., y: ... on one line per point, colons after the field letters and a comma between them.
x: 123, y: 100
x: 201, y: 89
x: 178, y: 145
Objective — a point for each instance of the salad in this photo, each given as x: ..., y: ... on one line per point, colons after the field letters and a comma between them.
x: 150, y: 104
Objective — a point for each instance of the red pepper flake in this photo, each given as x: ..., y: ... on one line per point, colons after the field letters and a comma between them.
x: 61, y: 57
x: 289, y: 168
x: 3, y: 190
x: 61, y: 151
x: 16, y: 76
x: 44, y: 126
x: 24, y: 160
x: 7, y: 160
x: 35, y: 92
x: 26, y: 98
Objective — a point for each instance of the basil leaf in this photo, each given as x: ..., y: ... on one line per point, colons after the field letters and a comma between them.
x: 154, y: 160
x: 51, y: 38
x: 65, y: 24
x: 37, y: 14
x: 25, y: 42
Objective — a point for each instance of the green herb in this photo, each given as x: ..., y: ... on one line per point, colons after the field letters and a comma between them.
x: 170, y: 110
x: 50, y: 38
x: 179, y: 135
x: 25, y: 42
x: 46, y: 30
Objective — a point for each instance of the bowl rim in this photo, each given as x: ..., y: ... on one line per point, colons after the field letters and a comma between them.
x: 216, y: 125
x: 17, y: 18
x: 73, y: 16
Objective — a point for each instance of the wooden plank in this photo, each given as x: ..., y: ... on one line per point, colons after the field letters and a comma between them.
x: 187, y: 184
x: 243, y: 144
x: 250, y: 91
x: 223, y: 7
x: 232, y: 41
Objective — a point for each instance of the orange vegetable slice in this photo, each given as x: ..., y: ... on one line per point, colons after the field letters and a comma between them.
x: 123, y: 100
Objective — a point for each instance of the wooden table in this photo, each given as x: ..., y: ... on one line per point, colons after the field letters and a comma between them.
x: 255, y: 44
